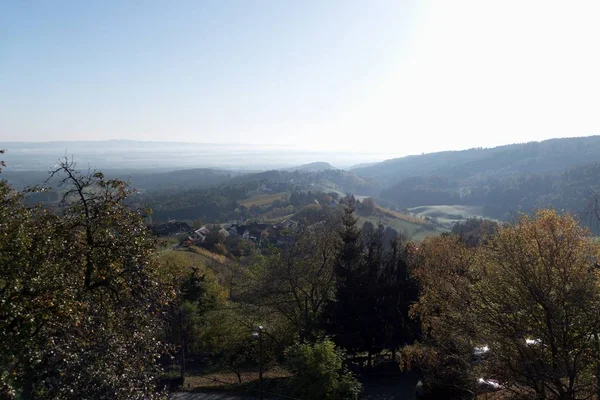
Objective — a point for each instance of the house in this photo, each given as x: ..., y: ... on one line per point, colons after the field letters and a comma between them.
x: 239, y: 231
x: 253, y: 231
x: 199, y: 235
x: 257, y: 230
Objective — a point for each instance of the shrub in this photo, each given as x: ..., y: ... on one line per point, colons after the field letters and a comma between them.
x: 319, y: 372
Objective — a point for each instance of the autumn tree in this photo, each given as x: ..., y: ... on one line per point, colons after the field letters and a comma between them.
x: 530, y: 297
x: 538, y: 307
x: 444, y: 270
x: 81, y: 299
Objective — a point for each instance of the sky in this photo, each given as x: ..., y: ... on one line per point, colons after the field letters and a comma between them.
x: 395, y: 77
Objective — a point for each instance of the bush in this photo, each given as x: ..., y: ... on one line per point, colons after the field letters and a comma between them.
x: 319, y: 372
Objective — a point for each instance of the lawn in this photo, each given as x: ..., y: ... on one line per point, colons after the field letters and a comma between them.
x: 402, y: 217
x: 447, y: 214
x: 262, y: 199
x: 414, y: 228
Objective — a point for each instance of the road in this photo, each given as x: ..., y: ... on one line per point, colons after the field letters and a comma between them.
x: 209, y: 396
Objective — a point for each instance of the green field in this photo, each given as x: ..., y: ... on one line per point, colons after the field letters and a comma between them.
x: 194, y: 256
x: 262, y: 200
x: 414, y: 228
x: 447, y: 214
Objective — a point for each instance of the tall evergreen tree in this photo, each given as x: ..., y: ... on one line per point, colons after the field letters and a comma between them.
x: 398, y: 292
x: 371, y: 323
x: 344, y: 315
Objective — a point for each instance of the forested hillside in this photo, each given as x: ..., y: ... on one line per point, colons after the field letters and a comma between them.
x: 527, y: 158
x: 558, y: 173
x: 284, y: 190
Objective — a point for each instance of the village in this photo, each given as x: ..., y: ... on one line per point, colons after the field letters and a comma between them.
x: 255, y: 235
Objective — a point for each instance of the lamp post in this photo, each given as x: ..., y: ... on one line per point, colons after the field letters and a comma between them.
x: 258, y: 334
x: 182, y: 346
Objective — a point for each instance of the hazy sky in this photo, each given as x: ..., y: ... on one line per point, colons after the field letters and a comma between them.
x: 392, y: 76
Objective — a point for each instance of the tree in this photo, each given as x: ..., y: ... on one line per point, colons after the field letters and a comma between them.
x: 475, y: 231
x: 190, y: 322
x: 538, y: 307
x: 398, y: 292
x: 344, y: 311
x: 530, y: 297
x: 298, y: 279
x: 368, y: 206
x: 371, y: 323
x: 444, y: 270
x: 319, y: 372
x: 81, y: 298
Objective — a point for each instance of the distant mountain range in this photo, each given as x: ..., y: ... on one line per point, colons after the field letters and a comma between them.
x: 500, y: 181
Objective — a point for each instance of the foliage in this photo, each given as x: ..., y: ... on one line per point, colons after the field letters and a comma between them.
x: 297, y: 279
x: 319, y: 372
x: 475, y: 231
x: 444, y: 270
x: 81, y: 299
x: 373, y: 290
x: 367, y: 207
x: 190, y: 323
x: 531, y: 296
x: 538, y: 304
x: 235, y: 197
x: 343, y: 314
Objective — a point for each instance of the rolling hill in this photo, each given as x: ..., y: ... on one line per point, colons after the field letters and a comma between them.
x: 527, y: 158
x: 499, y: 182
x: 312, y: 167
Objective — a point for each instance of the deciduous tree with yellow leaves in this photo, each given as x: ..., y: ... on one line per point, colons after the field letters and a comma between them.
x: 531, y: 296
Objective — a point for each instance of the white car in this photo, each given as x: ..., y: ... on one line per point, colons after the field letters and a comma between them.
x: 489, y: 385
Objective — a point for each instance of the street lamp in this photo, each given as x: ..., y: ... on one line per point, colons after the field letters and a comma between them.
x: 258, y: 334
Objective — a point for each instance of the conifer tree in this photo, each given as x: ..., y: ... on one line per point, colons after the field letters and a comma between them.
x: 344, y: 314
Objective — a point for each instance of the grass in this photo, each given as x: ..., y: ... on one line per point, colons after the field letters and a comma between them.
x: 227, y: 380
x: 195, y: 256
x: 413, y: 230
x: 277, y: 220
x: 208, y: 255
x: 262, y: 199
x: 447, y: 214
x: 416, y: 228
x: 403, y: 217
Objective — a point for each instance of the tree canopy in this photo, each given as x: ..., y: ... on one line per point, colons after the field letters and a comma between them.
x: 81, y: 299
